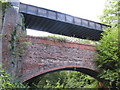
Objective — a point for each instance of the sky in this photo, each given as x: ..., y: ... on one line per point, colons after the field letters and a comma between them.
x: 87, y: 9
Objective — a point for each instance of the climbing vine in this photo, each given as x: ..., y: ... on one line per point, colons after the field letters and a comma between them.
x: 5, y: 5
x: 17, y: 48
x: 17, y: 43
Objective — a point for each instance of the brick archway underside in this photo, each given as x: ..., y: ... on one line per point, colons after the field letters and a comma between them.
x: 87, y: 71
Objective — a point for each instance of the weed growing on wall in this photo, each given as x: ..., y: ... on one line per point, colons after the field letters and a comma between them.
x: 62, y: 38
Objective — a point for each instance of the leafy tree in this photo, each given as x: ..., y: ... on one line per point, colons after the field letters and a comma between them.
x: 108, y: 57
x: 111, y: 13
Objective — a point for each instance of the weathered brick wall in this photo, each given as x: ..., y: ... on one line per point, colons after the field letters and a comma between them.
x: 44, y: 55
x: 0, y: 33
x: 8, y: 27
x: 12, y: 28
x: 0, y: 17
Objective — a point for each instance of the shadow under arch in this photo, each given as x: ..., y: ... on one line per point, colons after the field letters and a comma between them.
x: 92, y: 73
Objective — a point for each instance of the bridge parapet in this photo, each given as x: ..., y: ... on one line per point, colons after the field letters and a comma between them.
x: 44, y: 55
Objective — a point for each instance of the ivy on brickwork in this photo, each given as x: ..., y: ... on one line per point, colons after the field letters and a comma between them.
x: 17, y: 45
x: 17, y: 48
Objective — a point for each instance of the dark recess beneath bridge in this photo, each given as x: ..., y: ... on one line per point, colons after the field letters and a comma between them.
x: 59, y: 23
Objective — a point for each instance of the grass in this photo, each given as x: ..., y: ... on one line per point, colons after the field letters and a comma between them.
x: 62, y: 38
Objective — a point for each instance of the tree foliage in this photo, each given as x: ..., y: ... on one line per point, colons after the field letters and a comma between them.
x: 111, y: 13
x: 108, y: 57
x: 6, y: 83
x: 65, y: 79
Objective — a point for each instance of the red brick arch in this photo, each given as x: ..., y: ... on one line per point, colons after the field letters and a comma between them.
x: 45, y: 55
x: 87, y: 71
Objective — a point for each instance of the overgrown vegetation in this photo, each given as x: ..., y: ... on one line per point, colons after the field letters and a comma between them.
x: 65, y: 79
x: 62, y: 38
x: 108, y: 57
x: 6, y: 82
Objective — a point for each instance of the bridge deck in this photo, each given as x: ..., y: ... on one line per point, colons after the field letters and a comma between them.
x: 60, y: 23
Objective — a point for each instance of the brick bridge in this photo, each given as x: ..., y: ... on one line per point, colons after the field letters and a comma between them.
x: 41, y: 55
x: 46, y: 55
